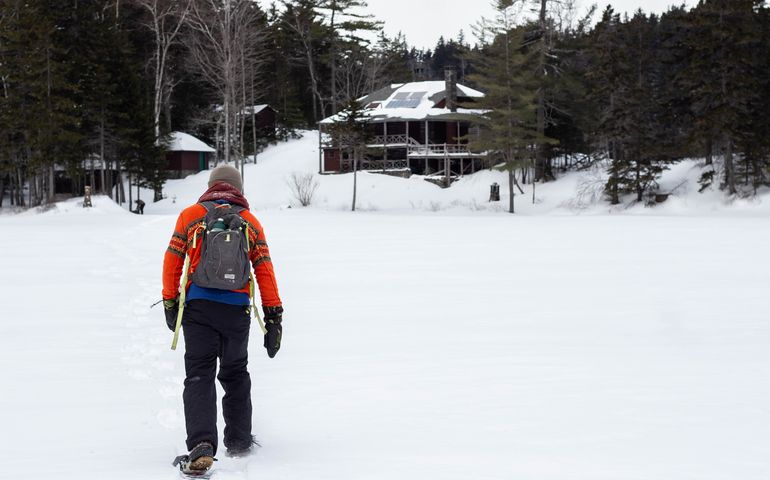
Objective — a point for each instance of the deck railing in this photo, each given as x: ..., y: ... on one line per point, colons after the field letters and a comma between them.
x: 440, y: 150
x: 394, y: 140
x: 347, y: 165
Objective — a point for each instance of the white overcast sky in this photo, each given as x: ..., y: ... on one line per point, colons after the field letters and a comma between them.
x: 424, y: 21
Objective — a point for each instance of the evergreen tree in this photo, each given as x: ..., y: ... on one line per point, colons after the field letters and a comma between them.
x: 509, y: 126
x: 346, y: 24
x: 37, y: 116
x: 351, y: 133
x: 724, y: 74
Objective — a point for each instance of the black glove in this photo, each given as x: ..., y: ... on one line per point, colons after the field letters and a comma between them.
x: 171, y: 307
x: 273, y: 318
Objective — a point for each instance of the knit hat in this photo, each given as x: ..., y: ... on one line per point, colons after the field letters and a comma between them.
x: 227, y: 174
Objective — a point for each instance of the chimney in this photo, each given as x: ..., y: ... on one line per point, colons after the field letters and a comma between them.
x: 450, y: 80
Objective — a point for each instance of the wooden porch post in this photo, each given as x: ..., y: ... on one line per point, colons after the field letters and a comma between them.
x: 320, y: 151
x: 426, y: 147
x: 457, y: 134
x: 447, y: 167
x: 385, y: 144
x: 408, y: 163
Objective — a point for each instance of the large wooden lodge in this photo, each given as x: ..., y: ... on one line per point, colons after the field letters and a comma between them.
x: 416, y: 127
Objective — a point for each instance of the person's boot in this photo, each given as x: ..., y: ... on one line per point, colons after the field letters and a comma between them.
x: 241, y: 449
x: 201, y: 458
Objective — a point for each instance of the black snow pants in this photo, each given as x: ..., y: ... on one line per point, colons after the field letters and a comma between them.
x: 216, y: 330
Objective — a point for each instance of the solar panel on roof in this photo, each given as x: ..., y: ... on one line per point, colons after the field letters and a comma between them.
x: 406, y: 100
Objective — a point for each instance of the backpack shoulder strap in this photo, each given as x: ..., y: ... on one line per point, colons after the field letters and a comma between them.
x: 209, y: 206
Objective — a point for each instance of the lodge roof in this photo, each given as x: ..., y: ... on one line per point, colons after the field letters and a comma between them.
x: 184, y: 142
x: 414, y: 101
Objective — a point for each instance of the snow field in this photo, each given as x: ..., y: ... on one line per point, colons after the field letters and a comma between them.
x: 430, y: 335
x: 416, y: 346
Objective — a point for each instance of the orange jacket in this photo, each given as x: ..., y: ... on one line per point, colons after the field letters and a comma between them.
x: 189, y: 222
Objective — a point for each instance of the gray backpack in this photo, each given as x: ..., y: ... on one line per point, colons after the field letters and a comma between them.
x: 224, y: 261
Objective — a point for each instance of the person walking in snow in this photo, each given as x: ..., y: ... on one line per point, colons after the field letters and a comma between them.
x: 216, y: 317
x: 140, y: 206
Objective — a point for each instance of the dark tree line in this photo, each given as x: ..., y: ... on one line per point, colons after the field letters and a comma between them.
x: 72, y: 97
x: 684, y: 84
x: 91, y: 87
x: 637, y: 93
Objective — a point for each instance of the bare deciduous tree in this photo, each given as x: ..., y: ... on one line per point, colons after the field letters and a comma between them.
x: 224, y: 43
x: 359, y: 71
x: 164, y: 19
x: 302, y: 21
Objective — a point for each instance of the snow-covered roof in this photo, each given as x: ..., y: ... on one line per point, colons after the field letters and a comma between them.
x: 413, y: 101
x: 256, y: 109
x: 184, y: 142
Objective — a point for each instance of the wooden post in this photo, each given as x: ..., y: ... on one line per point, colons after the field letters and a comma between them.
x: 408, y: 142
x: 426, y: 148
x: 385, y: 145
x: 320, y: 151
x: 457, y: 134
x: 447, y: 168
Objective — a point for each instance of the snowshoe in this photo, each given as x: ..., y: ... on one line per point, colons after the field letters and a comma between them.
x: 198, y: 462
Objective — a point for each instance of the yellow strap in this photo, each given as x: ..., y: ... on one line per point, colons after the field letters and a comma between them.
x: 182, y: 296
x: 252, y: 289
x: 183, y: 292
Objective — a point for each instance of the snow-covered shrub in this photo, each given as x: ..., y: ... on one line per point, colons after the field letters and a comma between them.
x: 303, y: 187
x: 435, y: 206
x: 590, y: 189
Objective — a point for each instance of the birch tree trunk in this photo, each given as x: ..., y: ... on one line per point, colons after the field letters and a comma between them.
x: 101, y: 153
x: 730, y: 167
x: 541, y: 170
x: 355, y: 178
x: 162, y: 15
x: 333, y: 54
x: 224, y: 38
x: 253, y: 118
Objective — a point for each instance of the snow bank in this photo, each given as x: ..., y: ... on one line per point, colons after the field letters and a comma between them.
x: 267, y: 187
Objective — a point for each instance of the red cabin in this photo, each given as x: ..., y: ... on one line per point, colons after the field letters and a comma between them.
x: 416, y: 127
x: 187, y: 155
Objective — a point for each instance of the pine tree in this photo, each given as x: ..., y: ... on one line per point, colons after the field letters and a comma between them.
x: 509, y: 126
x: 302, y: 19
x: 351, y: 133
x: 38, y: 115
x: 723, y: 74
x: 346, y: 24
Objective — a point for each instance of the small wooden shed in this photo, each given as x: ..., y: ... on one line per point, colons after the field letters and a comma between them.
x: 187, y: 155
x: 265, y: 116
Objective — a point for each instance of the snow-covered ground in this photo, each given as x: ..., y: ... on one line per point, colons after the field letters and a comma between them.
x: 576, y: 192
x: 421, y: 341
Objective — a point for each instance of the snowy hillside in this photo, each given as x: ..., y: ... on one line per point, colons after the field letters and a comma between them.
x: 266, y: 185
x: 417, y: 345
